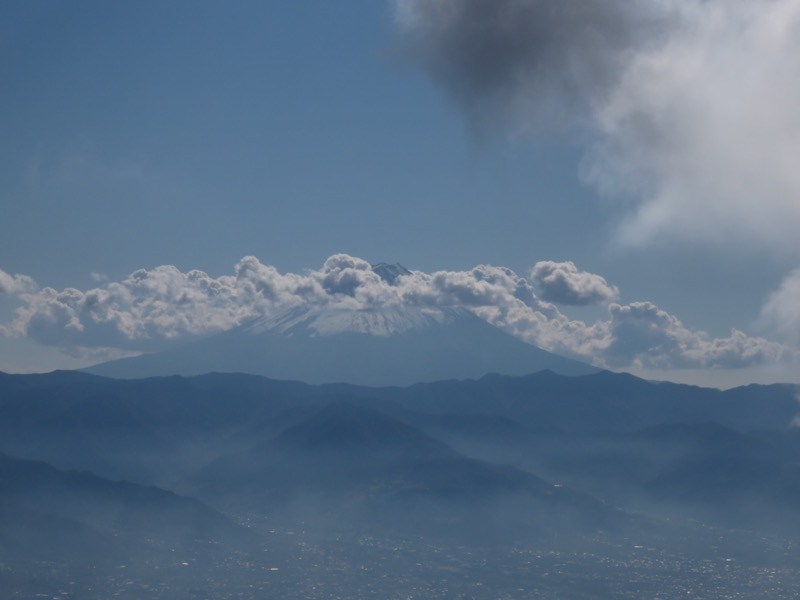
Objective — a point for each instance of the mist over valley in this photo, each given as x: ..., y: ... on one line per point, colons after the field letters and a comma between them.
x: 598, y: 486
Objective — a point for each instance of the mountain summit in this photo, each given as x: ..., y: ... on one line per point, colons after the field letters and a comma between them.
x: 390, y: 273
x: 382, y: 344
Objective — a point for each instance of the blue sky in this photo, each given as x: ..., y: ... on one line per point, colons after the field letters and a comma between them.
x: 441, y: 134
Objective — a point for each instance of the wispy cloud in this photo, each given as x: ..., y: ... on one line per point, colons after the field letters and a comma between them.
x: 781, y: 311
x: 153, y: 308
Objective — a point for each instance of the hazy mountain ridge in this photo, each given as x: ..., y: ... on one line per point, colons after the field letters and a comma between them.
x: 357, y: 465
x: 51, y: 513
x: 477, y: 463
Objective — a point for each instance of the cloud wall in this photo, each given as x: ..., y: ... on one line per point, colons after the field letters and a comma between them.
x: 150, y: 309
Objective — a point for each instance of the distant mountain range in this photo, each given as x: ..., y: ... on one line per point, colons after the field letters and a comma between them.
x: 390, y: 345
x: 143, y: 466
x: 358, y: 463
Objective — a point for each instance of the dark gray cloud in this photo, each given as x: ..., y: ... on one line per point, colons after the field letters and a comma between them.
x: 563, y: 283
x: 516, y: 60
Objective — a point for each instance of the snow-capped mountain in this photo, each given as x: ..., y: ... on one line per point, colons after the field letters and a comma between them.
x: 333, y: 320
x: 390, y: 344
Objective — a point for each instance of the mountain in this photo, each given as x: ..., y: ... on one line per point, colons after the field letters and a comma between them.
x: 51, y: 513
x: 597, y: 402
x: 396, y: 345
x: 431, y: 454
x: 499, y: 486
x: 390, y: 272
x: 356, y: 464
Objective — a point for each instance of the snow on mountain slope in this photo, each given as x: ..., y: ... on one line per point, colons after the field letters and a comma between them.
x: 385, y: 344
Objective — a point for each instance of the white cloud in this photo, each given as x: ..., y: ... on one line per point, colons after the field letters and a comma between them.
x: 18, y: 286
x: 563, y: 283
x: 703, y: 130
x: 642, y: 335
x: 15, y: 285
x: 152, y: 308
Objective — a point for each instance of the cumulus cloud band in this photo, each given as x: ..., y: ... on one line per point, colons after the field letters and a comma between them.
x: 152, y: 308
